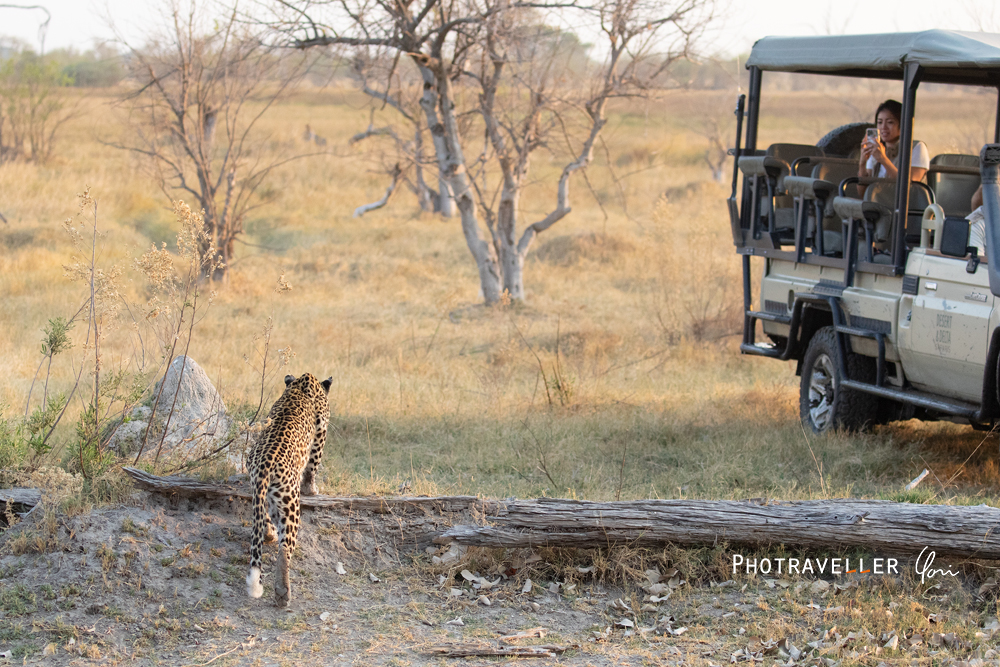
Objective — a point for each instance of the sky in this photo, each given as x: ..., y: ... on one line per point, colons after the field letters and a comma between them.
x: 79, y: 23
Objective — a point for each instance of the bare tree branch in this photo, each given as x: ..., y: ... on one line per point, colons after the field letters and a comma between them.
x: 361, y: 210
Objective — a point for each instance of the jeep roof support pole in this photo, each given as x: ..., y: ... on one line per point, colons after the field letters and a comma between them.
x: 734, y: 212
x: 996, y: 128
x: 911, y: 79
x: 749, y: 323
x: 749, y: 205
x: 989, y: 160
x: 741, y: 104
x: 753, y: 111
x: 749, y: 200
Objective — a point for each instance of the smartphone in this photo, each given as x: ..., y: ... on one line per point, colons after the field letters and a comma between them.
x: 871, y: 134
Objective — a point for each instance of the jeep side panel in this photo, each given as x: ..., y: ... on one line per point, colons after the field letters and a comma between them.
x: 949, y: 331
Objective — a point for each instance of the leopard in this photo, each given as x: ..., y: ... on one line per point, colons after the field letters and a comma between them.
x: 282, y: 464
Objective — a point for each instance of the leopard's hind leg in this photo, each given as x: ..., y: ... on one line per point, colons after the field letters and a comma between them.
x: 285, y: 516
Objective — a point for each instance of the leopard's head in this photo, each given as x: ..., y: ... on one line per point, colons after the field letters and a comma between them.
x: 308, y: 384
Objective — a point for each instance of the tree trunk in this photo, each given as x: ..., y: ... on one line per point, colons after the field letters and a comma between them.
x: 429, y: 103
x: 21, y: 500
x: 225, y: 253
x: 878, y: 525
x: 457, y: 178
x: 425, y: 197
x: 446, y: 203
x: 210, y: 225
x: 511, y: 261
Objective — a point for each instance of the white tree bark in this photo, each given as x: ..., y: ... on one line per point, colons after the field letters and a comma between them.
x: 439, y: 88
x: 361, y: 210
x: 430, y: 102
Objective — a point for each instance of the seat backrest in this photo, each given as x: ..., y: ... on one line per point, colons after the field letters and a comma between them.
x: 956, y: 160
x: 791, y: 152
x: 835, y: 170
x: 954, y: 191
x: 883, y: 191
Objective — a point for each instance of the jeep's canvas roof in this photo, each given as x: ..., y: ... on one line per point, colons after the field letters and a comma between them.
x: 946, y: 56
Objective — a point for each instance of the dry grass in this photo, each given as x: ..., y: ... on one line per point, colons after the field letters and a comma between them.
x: 636, y: 311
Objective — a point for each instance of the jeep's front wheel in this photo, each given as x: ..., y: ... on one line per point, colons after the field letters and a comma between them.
x: 824, y: 405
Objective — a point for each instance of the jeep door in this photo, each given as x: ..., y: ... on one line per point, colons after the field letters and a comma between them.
x: 948, y: 328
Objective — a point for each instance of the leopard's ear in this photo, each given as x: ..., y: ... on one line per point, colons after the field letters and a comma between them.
x: 326, y: 384
x: 289, y: 379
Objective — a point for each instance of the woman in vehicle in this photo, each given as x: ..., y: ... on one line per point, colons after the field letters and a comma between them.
x: 977, y: 222
x: 880, y: 159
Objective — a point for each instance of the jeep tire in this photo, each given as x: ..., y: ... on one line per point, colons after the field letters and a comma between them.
x: 824, y: 405
x: 844, y: 141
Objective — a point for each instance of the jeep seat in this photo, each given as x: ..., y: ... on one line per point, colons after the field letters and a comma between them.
x: 784, y: 211
x: 953, y: 192
x: 783, y: 205
x: 815, y: 196
x: 883, y: 191
x: 791, y: 152
x: 875, y: 217
x: 835, y: 170
x: 771, y: 171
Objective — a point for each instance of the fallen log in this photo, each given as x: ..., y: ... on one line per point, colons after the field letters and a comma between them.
x: 26, y: 497
x: 877, y: 525
x: 20, y: 502
x: 186, y: 487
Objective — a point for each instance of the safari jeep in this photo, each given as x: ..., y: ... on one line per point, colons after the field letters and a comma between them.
x: 871, y: 285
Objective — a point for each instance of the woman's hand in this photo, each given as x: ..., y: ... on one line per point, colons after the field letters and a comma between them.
x: 877, y: 151
x: 866, y: 152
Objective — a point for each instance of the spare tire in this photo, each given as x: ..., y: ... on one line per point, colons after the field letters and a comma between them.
x: 845, y: 141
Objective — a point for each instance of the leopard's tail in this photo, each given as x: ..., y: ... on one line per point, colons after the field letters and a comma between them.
x: 260, y: 483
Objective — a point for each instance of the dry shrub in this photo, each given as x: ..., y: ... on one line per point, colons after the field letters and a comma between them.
x: 700, y: 295
x: 589, y: 343
x: 638, y: 156
x: 570, y: 250
x: 15, y: 239
x: 59, y: 489
x: 694, y: 193
x: 56, y: 485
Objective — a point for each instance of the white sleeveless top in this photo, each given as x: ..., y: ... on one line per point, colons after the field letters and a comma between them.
x: 920, y: 158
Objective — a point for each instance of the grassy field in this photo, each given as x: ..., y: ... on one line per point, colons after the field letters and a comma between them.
x: 633, y: 305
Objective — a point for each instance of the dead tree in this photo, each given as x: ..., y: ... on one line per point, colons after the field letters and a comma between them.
x: 408, y: 158
x: 500, y: 54
x: 190, y: 112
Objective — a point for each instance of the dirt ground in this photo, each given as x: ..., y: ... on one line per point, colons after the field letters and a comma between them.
x: 162, y: 582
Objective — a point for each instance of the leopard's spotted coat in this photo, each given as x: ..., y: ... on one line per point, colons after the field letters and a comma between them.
x: 282, y: 464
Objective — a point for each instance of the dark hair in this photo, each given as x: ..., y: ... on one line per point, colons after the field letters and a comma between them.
x: 893, y: 107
